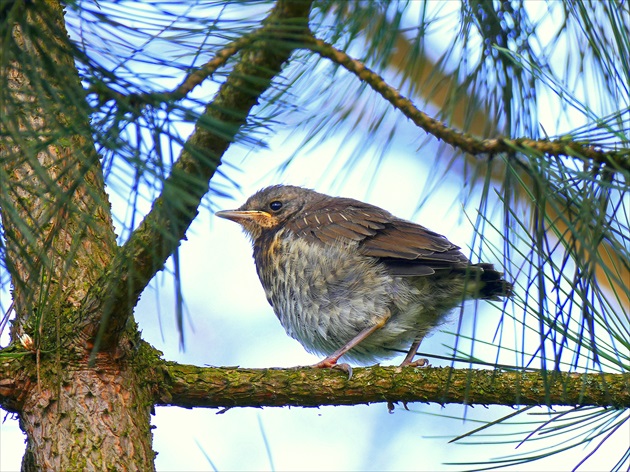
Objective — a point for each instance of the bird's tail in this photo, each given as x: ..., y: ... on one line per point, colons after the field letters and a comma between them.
x: 488, y: 282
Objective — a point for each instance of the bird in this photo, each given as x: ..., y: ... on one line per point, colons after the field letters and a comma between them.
x: 349, y: 279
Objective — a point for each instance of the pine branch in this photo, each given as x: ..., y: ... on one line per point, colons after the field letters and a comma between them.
x: 423, y: 73
x: 192, y: 386
x: 165, y: 225
x: 192, y: 80
x: 618, y: 160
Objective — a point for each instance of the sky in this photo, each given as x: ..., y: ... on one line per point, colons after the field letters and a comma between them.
x: 229, y: 322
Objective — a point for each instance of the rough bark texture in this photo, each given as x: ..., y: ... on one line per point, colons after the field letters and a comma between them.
x: 55, y: 213
x: 172, y: 384
x: 193, y: 386
x: 59, y: 237
x: 88, y: 418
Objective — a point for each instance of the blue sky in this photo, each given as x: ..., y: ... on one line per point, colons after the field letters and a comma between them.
x: 229, y: 322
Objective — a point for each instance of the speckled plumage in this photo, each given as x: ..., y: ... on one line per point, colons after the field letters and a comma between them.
x: 333, y: 267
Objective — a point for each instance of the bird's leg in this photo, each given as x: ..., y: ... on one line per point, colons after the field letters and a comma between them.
x: 331, y: 361
x: 411, y: 354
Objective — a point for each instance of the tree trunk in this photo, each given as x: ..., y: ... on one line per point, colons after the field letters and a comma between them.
x: 59, y: 238
x: 88, y: 418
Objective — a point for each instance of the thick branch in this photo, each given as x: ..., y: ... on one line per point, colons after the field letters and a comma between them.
x: 191, y: 386
x: 160, y: 233
x: 464, y: 141
x: 211, y: 387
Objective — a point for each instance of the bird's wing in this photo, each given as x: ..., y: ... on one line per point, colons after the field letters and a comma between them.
x: 408, y: 249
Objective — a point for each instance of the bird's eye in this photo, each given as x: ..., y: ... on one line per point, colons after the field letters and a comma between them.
x: 275, y: 205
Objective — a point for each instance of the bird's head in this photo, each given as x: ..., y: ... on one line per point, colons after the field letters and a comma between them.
x: 269, y: 208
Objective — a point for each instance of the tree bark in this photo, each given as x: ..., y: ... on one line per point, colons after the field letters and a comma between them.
x: 189, y: 386
x: 193, y: 386
x: 88, y: 418
x: 59, y: 237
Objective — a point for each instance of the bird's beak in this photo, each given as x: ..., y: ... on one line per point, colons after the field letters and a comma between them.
x: 245, y: 216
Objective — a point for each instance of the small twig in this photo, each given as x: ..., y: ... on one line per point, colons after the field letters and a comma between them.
x: 198, y: 76
x: 559, y: 147
x: 192, y: 80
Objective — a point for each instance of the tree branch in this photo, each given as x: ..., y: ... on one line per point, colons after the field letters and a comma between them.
x: 466, y: 142
x: 162, y: 229
x: 192, y: 386
x: 190, y: 82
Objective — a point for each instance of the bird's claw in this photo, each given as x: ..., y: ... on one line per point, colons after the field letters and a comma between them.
x: 332, y: 364
x: 345, y: 367
x: 417, y: 363
x: 391, y: 406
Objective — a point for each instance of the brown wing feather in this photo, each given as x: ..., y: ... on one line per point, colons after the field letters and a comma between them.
x: 407, y: 249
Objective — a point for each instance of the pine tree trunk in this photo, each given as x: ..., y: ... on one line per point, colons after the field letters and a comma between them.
x: 78, y: 413
x: 88, y: 418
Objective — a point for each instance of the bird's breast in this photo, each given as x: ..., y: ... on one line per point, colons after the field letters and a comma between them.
x: 322, y: 294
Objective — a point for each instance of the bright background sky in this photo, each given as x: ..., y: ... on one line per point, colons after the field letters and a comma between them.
x: 229, y: 322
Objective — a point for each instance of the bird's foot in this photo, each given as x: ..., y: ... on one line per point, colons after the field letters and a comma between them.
x: 417, y: 363
x: 331, y: 363
x: 391, y: 406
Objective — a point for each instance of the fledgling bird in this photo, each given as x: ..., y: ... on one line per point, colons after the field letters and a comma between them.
x: 346, y: 278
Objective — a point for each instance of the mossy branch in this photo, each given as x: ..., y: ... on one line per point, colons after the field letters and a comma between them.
x: 191, y: 386
x: 161, y: 231
x: 618, y: 159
